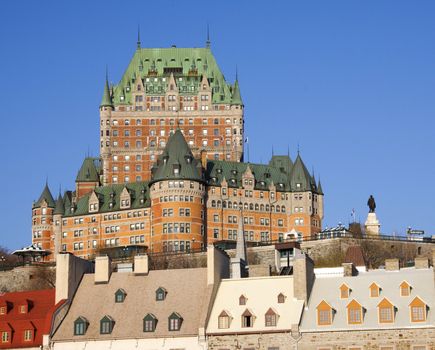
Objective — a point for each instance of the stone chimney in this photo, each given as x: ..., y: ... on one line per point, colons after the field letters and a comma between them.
x: 141, y: 266
x: 69, y: 272
x: 103, y: 269
x: 303, y: 277
x: 421, y: 263
x: 217, y: 265
x: 204, y: 159
x: 349, y: 270
x: 392, y: 265
x: 238, y: 264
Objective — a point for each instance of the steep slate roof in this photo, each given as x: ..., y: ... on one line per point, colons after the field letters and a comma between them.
x: 236, y: 98
x: 106, y: 101
x: 186, y: 293
x: 301, y: 175
x: 38, y: 318
x: 177, y: 153
x: 89, y: 170
x: 111, y: 193
x: 47, y: 196
x: 327, y: 289
x: 189, y: 64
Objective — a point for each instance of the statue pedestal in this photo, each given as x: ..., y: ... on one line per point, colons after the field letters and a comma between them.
x: 372, y: 224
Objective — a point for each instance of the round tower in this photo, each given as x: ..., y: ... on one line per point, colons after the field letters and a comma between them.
x: 42, y: 220
x: 177, y: 192
x: 106, y: 108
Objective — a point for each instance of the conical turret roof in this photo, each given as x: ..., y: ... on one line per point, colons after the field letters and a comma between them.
x: 46, y: 195
x: 88, y: 171
x: 59, y: 208
x: 300, y: 175
x: 236, y: 98
x: 177, y: 161
x: 319, y: 188
x: 106, y: 101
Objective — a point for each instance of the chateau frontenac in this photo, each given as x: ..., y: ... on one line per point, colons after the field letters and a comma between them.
x: 171, y: 174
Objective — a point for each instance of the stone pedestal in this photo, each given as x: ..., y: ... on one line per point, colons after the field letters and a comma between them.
x: 372, y: 224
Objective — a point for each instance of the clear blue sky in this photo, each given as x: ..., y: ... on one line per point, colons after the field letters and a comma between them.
x: 353, y: 82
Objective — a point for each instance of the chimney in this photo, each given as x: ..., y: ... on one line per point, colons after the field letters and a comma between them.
x: 69, y: 272
x: 217, y: 265
x: 303, y: 277
x: 349, y: 270
x: 392, y: 264
x: 103, y: 269
x: 421, y: 263
x: 204, y: 159
x: 141, y: 266
x: 238, y: 264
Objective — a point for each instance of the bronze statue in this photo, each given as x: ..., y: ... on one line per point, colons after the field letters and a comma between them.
x: 372, y: 204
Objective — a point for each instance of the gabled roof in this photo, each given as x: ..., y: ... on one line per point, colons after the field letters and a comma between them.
x: 47, y: 196
x: 177, y: 155
x: 89, y: 171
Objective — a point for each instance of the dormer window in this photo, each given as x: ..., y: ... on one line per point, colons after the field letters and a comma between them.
x: 22, y: 309
x: 354, y: 313
x: 149, y: 323
x: 5, y: 336
x: 247, y: 319
x: 219, y: 171
x: 298, y: 185
x: 224, y: 320
x: 405, y: 289
x: 120, y: 295
x: 281, y: 298
x: 344, y: 291
x: 418, y: 310
x: 234, y: 172
x: 176, y: 168
x: 375, y: 290
x: 385, y: 311
x: 270, y: 318
x: 106, y: 325
x: 324, y: 314
x: 3, y: 310
x: 242, y: 300
x: 174, y: 322
x: 80, y: 326
x: 161, y: 294
x: 28, y: 335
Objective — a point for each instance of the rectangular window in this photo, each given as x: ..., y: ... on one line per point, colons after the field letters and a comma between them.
x: 27, y: 335
x: 418, y: 314
x: 385, y: 314
x: 270, y: 320
x: 324, y: 317
x: 5, y: 337
x: 354, y: 316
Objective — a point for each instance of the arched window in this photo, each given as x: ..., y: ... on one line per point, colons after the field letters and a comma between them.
x: 235, y: 205
x: 245, y: 206
x: 267, y: 207
x: 256, y: 206
x: 251, y: 206
x: 224, y: 204
x: 213, y: 204
x: 283, y: 209
x: 277, y: 208
x: 262, y: 207
x: 230, y: 205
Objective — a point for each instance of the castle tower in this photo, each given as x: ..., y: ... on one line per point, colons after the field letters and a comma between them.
x: 106, y: 108
x: 42, y: 219
x: 88, y: 177
x: 59, y: 210
x: 177, y: 192
x: 161, y: 90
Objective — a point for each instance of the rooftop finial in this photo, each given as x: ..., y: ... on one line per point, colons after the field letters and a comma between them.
x: 272, y: 151
x: 208, y: 43
x: 298, y: 149
x: 138, y: 36
x: 237, y: 73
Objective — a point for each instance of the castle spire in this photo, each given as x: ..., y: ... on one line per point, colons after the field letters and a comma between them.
x: 106, y: 100
x: 138, y: 37
x: 208, y: 43
x: 236, y: 98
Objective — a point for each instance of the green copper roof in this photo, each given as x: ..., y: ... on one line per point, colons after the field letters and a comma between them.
x: 236, y: 98
x: 139, y: 193
x: 284, y: 163
x: 89, y: 171
x: 300, y: 175
x: 106, y: 100
x: 45, y: 195
x: 264, y: 174
x: 59, y: 208
x: 154, y: 66
x: 319, y: 188
x: 177, y: 161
